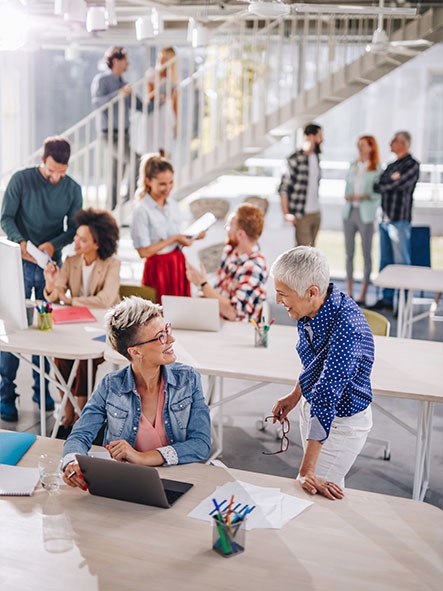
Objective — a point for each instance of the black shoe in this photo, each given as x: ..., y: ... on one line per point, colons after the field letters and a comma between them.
x: 50, y: 405
x: 382, y: 305
x: 8, y: 411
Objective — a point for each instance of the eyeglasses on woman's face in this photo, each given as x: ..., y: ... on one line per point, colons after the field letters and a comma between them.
x: 162, y: 337
x: 284, y: 443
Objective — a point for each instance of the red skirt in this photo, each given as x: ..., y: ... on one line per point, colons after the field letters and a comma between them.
x: 166, y: 273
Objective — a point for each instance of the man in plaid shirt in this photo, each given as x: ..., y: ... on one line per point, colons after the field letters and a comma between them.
x: 240, y: 286
x: 299, y: 188
x: 396, y: 185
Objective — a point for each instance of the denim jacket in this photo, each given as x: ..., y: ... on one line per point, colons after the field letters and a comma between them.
x: 185, y: 415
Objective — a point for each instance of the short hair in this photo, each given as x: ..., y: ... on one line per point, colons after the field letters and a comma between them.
x: 374, y: 156
x: 114, y: 53
x: 300, y: 268
x: 125, y: 321
x: 405, y: 136
x: 103, y: 227
x: 311, y: 129
x: 58, y: 148
x: 250, y: 219
x: 151, y: 165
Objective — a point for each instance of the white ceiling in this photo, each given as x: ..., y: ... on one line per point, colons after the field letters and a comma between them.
x: 48, y: 29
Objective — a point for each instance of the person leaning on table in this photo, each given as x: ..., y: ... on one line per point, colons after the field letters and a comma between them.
x: 336, y: 348
x: 154, y: 408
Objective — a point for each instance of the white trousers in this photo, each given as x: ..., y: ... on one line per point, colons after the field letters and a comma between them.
x: 340, y: 450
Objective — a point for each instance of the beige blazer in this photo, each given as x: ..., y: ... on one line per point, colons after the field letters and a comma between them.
x: 105, y: 283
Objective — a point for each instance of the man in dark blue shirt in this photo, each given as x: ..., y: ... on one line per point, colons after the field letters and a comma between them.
x: 336, y: 348
x: 105, y: 87
x: 396, y: 185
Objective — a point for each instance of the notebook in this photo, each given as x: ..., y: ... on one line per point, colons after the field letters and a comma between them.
x: 72, y: 314
x: 130, y: 482
x: 17, y: 481
x: 192, y: 313
x: 14, y: 445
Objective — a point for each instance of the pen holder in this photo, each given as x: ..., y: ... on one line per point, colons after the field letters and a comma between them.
x: 228, y: 536
x: 44, y: 321
x: 260, y: 337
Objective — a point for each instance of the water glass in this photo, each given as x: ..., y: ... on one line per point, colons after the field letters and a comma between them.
x: 50, y: 474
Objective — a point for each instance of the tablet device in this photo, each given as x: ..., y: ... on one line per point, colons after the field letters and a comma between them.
x: 130, y: 482
x: 192, y: 313
x: 201, y: 225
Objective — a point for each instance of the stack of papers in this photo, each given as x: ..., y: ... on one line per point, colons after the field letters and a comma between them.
x: 272, y: 508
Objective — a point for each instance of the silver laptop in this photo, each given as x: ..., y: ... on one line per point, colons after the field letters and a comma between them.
x: 192, y: 313
x: 130, y: 482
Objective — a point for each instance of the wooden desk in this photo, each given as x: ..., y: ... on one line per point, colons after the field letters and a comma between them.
x: 366, y: 541
x: 409, y: 278
x: 66, y: 341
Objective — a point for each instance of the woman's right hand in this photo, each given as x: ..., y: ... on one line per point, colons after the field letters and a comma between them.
x: 184, y: 240
x: 73, y: 477
x: 51, y: 272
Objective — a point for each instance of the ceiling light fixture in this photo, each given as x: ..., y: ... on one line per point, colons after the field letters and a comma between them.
x: 147, y: 27
x: 198, y: 34
x: 96, y: 19
x: 272, y: 9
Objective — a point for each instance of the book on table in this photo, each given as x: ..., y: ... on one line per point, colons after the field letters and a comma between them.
x: 71, y: 314
x: 18, y: 481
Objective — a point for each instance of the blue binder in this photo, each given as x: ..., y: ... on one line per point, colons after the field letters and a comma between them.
x: 14, y: 445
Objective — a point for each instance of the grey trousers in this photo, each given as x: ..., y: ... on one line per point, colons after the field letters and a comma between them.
x: 352, y: 225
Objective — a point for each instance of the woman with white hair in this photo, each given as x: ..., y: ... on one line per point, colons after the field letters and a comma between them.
x: 336, y: 348
x: 153, y: 409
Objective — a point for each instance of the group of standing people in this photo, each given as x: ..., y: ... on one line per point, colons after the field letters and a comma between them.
x: 367, y: 188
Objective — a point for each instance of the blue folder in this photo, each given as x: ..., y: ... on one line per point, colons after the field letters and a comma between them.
x: 14, y: 445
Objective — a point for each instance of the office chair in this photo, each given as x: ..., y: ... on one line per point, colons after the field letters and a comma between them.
x: 143, y: 291
x: 260, y: 202
x: 380, y: 326
x: 211, y: 255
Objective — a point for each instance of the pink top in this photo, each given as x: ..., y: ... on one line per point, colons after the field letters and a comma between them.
x: 150, y: 436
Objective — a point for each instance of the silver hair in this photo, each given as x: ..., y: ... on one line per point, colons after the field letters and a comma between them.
x: 405, y: 136
x: 300, y: 268
x: 125, y: 320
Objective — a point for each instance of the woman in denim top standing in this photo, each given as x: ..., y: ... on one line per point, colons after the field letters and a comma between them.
x: 154, y: 408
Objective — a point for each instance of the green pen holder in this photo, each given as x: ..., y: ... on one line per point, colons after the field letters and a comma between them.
x: 44, y: 320
x: 228, y: 538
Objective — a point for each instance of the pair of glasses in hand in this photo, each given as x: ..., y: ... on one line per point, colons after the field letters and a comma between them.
x: 284, y: 443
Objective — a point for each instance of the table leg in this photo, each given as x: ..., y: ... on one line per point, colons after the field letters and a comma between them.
x: 41, y: 361
x: 422, y: 451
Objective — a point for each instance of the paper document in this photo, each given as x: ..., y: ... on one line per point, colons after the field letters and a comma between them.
x: 201, y: 225
x: 18, y: 481
x: 41, y: 257
x: 271, y: 508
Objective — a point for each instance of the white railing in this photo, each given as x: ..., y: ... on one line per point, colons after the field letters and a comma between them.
x: 225, y: 107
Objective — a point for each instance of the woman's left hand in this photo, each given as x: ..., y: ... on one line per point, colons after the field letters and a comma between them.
x: 122, y: 451
x: 314, y: 484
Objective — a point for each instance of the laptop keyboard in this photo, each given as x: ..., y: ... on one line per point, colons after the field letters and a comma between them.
x: 172, y: 495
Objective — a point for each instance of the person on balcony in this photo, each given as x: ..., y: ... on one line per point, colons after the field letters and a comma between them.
x: 360, y: 210
x: 104, y: 88
x: 159, y: 128
x: 39, y: 205
x: 155, y: 229
x: 91, y: 277
x: 396, y: 185
x: 299, y: 188
x: 240, y: 286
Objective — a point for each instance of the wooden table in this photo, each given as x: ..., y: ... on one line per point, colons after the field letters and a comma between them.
x: 407, y: 279
x: 66, y: 341
x: 365, y: 541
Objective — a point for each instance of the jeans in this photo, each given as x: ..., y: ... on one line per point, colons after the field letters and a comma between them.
x: 395, y: 248
x: 33, y: 279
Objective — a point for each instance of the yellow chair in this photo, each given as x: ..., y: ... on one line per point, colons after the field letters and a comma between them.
x: 143, y: 291
x: 379, y: 326
x: 378, y: 323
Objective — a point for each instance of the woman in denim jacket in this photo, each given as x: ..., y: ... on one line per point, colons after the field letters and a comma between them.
x: 154, y: 408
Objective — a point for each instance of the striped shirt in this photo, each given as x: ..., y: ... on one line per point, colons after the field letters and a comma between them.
x: 397, y: 195
x: 242, y: 279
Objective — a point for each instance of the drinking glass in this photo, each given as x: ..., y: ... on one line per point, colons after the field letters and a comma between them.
x: 49, y: 469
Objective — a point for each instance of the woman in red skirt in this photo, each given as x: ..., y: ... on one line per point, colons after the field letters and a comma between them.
x: 155, y: 229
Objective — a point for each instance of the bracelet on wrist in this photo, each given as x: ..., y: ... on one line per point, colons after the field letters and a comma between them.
x: 203, y: 284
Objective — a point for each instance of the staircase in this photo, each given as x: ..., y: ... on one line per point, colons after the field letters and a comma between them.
x: 260, y: 80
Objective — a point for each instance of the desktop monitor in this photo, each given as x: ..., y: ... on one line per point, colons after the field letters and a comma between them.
x: 12, y: 288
